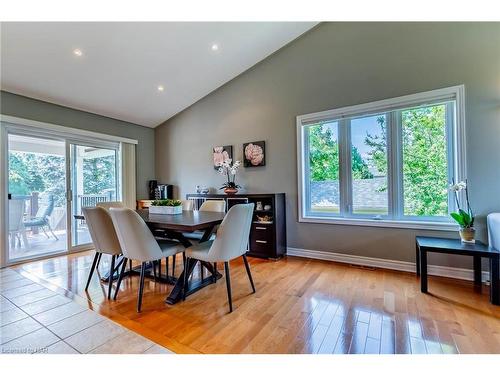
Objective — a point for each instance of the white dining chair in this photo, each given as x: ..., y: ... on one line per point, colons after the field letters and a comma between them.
x: 187, y: 205
x: 108, y: 205
x: 138, y: 243
x: 210, y: 205
x: 231, y: 242
x: 214, y: 205
x: 104, y: 238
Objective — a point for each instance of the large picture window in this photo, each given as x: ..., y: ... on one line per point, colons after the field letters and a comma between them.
x: 386, y: 163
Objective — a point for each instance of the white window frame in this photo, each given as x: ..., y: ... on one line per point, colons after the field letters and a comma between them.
x: 456, y: 153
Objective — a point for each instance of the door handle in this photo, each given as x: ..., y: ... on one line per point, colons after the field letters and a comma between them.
x: 260, y: 241
x: 261, y: 228
x: 9, y: 196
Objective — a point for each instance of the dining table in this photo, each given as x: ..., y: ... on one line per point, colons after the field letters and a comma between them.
x: 175, y: 227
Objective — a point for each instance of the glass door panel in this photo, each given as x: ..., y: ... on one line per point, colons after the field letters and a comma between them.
x: 36, y: 212
x: 94, y: 180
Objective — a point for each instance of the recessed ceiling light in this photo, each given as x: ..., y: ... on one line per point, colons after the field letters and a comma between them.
x: 78, y: 52
x: 161, y: 88
x: 215, y: 47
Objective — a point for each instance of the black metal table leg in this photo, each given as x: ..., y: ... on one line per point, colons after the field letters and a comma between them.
x: 477, y: 270
x: 417, y: 259
x: 423, y: 271
x: 494, y: 277
x: 176, y: 294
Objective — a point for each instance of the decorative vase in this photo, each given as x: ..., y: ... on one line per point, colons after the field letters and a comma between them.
x: 467, y: 235
x: 230, y: 190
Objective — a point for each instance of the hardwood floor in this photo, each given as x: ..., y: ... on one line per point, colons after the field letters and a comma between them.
x: 301, y: 306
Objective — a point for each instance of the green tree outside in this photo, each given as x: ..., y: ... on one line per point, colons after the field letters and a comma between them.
x: 425, y: 175
x: 29, y: 172
x: 324, y: 156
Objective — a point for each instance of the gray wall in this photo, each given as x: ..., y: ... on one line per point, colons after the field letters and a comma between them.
x: 335, y: 65
x: 21, y: 106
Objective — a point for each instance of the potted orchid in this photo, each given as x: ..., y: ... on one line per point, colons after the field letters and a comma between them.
x: 464, y: 218
x: 229, y: 169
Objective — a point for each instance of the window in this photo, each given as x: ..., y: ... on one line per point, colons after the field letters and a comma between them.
x: 387, y: 163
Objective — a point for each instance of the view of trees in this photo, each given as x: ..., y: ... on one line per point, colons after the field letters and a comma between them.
x: 30, y: 172
x: 425, y: 179
x: 324, y: 156
x: 425, y: 174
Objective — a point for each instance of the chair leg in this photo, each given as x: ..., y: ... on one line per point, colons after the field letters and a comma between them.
x: 153, y: 265
x: 215, y: 272
x: 122, y: 271
x: 184, y: 289
x: 228, y: 286
x: 98, y: 261
x: 45, y: 232
x: 130, y: 266
x: 248, y: 272
x: 92, y: 268
x: 51, y: 231
x: 111, y: 274
x: 159, y: 268
x: 25, y: 239
x: 166, y: 261
x: 173, y: 264
x: 141, y: 287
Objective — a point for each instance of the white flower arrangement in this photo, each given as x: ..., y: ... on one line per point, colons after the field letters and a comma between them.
x: 229, y: 169
x: 464, y: 218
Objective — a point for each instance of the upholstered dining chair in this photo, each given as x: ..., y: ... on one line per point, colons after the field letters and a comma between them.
x: 108, y: 205
x: 210, y: 205
x: 214, y: 205
x: 104, y: 238
x: 231, y: 242
x: 187, y: 205
x: 138, y: 243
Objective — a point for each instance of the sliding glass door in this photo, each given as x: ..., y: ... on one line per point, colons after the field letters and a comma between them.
x: 94, y: 179
x: 49, y: 180
x: 37, y: 206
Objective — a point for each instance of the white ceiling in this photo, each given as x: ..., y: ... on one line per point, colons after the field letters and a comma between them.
x: 123, y: 63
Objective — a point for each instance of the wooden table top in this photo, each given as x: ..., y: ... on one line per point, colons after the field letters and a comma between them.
x: 188, y: 221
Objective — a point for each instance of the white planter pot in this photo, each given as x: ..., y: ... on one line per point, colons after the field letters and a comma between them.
x: 165, y: 210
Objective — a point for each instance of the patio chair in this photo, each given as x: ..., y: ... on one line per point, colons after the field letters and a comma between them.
x: 41, y: 219
x: 16, y: 225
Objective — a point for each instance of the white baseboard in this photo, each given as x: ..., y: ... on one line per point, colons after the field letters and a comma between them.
x: 398, y: 265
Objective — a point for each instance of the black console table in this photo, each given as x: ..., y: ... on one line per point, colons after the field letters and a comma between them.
x: 267, y: 238
x: 477, y: 250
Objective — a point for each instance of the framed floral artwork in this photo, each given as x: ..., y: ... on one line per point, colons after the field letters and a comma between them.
x: 254, y: 154
x: 220, y: 154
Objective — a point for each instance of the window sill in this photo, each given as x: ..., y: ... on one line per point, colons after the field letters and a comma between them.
x: 423, y: 225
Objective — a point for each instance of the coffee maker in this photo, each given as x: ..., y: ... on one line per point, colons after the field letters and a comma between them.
x: 160, y: 191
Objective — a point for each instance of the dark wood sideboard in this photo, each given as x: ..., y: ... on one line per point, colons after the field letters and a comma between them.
x: 267, y: 240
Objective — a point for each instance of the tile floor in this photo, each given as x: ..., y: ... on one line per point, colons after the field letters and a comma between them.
x: 34, y: 319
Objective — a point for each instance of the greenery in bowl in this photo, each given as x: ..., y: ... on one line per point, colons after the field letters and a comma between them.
x: 167, y: 202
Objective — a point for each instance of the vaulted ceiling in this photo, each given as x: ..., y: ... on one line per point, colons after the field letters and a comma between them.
x: 143, y: 72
